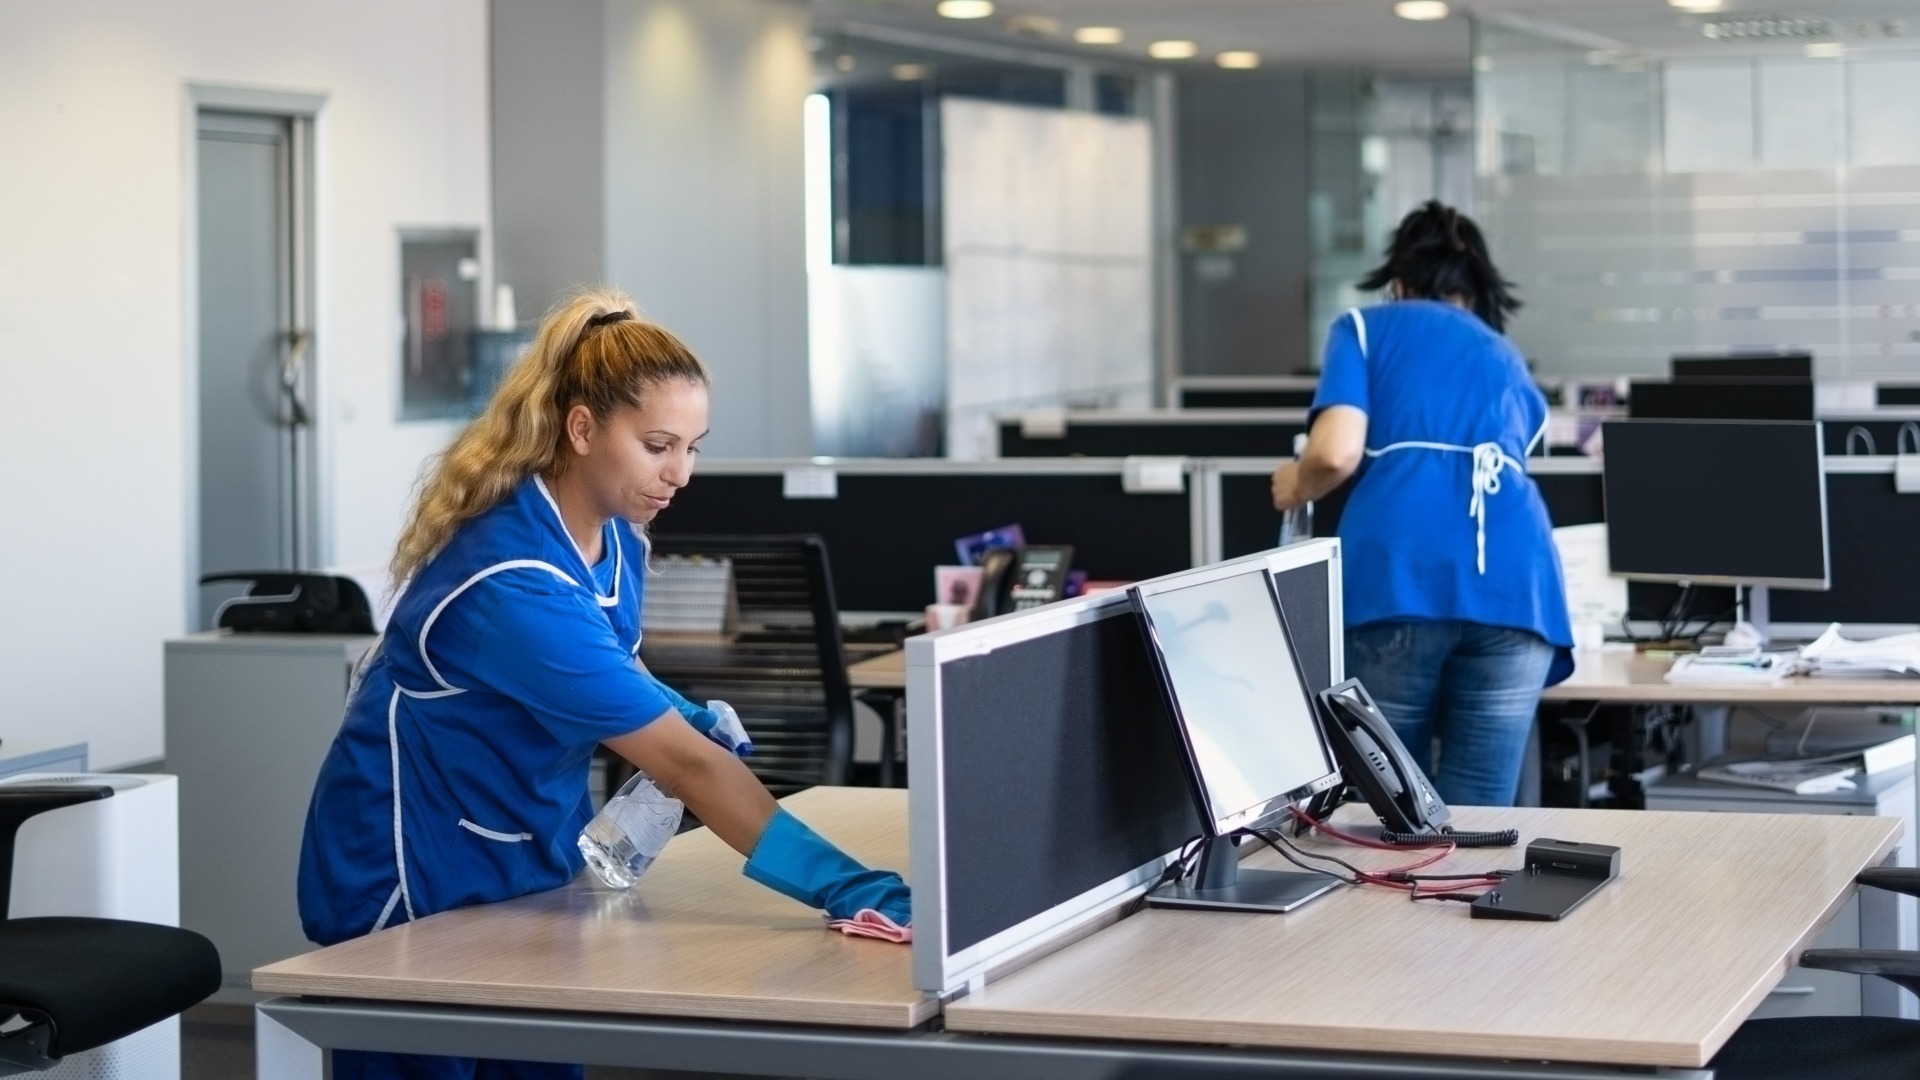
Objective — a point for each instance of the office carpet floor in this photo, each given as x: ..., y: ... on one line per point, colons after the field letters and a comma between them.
x: 216, y: 1043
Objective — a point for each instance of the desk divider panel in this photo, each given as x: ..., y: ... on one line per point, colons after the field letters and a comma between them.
x: 1870, y: 527
x: 1048, y: 787
x: 892, y: 521
x: 1162, y: 432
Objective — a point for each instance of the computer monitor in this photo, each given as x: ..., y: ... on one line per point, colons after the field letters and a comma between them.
x: 1716, y: 502
x: 1245, y: 719
x: 1708, y: 398
x: 1743, y: 366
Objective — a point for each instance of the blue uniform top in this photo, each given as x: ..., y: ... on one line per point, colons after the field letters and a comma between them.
x: 1444, y: 522
x: 460, y: 773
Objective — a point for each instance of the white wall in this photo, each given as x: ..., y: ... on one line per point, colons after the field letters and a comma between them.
x: 95, y: 281
x: 705, y: 199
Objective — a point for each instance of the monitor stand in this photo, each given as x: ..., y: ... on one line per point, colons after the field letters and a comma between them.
x: 1755, y: 609
x: 1220, y: 884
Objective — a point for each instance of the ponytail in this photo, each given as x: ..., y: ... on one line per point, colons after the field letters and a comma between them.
x: 1438, y: 253
x: 593, y: 350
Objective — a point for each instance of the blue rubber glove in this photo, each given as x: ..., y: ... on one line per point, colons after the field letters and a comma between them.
x: 795, y: 861
x: 725, y: 730
x: 701, y: 719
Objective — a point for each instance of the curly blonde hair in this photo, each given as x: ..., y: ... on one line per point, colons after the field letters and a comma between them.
x: 594, y: 349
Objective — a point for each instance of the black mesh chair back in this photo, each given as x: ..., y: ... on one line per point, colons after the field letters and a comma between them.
x: 783, y: 665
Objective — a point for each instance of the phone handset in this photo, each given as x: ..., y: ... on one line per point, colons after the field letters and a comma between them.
x: 1376, y: 761
x: 1373, y: 759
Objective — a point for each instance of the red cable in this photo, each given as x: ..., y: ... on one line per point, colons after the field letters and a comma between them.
x: 1383, y: 877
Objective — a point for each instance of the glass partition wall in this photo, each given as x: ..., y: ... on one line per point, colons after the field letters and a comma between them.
x: 1757, y: 192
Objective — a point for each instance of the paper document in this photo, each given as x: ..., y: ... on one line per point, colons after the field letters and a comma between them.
x: 1781, y: 776
x: 1594, y: 595
x: 1877, y: 658
x: 1768, y: 667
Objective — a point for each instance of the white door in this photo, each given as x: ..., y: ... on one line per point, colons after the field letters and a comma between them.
x: 255, y: 445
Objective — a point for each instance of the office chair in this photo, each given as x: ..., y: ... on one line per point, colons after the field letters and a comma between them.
x: 1853, y: 1047
x: 72, y: 984
x: 783, y: 668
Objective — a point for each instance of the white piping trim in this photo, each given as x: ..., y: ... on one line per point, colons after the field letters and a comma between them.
x: 399, y: 838
x: 505, y: 838
x: 1360, y: 328
x: 605, y: 601
x: 427, y: 626
x: 393, y: 898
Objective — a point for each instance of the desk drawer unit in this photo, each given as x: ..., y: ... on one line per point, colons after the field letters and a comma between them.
x: 1872, y: 919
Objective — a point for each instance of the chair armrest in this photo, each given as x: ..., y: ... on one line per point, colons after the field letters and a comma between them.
x: 1900, y: 879
x: 1895, y: 965
x: 18, y: 802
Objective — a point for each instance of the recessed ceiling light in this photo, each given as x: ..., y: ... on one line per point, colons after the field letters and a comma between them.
x: 1825, y: 50
x: 1239, y: 61
x: 964, y: 9
x: 1421, y: 10
x: 1698, y: 5
x: 1172, y: 50
x: 1099, y: 35
x: 911, y: 72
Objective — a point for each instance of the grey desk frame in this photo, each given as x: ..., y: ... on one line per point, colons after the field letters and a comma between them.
x: 292, y: 1031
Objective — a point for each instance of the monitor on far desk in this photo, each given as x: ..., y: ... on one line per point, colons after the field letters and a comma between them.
x: 1721, y: 398
x: 1248, y: 728
x: 1740, y: 503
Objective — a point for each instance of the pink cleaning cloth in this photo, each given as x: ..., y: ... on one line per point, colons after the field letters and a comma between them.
x: 870, y: 923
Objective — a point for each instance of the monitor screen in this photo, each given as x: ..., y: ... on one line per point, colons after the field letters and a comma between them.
x: 1729, y: 502
x: 1721, y: 399
x: 1744, y: 366
x: 1235, y: 690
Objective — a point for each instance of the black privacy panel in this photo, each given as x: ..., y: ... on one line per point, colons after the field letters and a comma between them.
x: 1873, y: 555
x: 1249, y: 523
x: 1303, y: 599
x: 1061, y: 772
x: 1264, y: 438
x: 885, y: 534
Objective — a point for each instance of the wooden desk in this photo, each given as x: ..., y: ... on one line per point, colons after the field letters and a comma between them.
x: 703, y: 970
x: 888, y: 671
x: 693, y: 939
x: 1633, y: 678
x: 1658, y: 968
x: 881, y: 681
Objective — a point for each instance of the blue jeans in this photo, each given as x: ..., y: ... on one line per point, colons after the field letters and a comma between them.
x: 1475, y: 686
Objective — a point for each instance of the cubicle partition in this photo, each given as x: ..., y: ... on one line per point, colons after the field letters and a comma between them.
x: 1054, y: 433
x: 1871, y: 527
x: 888, y: 523
x: 1243, y: 391
x: 1048, y: 786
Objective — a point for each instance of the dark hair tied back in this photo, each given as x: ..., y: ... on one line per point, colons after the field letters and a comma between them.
x: 1437, y: 253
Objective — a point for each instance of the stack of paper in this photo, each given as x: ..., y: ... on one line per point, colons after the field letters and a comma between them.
x: 1879, y: 658
x: 1800, y: 779
x: 1766, y: 668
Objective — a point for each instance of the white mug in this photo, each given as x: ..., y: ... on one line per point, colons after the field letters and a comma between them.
x: 945, y: 616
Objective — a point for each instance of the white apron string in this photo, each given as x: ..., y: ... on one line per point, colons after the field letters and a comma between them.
x: 1488, y: 461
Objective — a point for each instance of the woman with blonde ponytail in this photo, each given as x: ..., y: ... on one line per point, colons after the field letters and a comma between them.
x: 460, y: 773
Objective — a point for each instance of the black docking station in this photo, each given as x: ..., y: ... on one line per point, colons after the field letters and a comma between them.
x: 1559, y: 876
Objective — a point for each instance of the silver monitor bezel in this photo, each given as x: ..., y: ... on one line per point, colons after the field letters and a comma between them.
x: 1267, y: 808
x: 1819, y: 584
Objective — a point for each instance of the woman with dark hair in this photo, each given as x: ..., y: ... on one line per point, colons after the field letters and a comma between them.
x: 1455, y: 610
